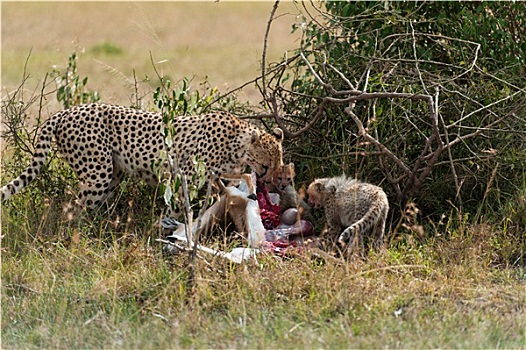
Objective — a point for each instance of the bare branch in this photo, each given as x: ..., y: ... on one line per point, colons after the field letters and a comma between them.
x: 362, y: 132
x: 264, y: 55
x: 484, y: 108
x: 451, y: 162
x: 316, y: 75
x: 342, y: 76
x: 202, y: 211
x: 338, y: 155
x: 479, y: 130
x: 394, y: 67
x: 290, y: 134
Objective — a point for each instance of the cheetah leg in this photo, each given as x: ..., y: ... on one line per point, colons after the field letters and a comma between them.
x: 378, y: 231
x: 94, y: 183
x: 332, y: 228
x: 92, y: 192
x: 331, y: 231
x: 354, y: 238
x: 116, y: 178
x: 94, y: 175
x: 347, y: 235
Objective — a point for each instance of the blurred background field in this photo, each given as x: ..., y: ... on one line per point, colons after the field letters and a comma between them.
x: 220, y: 41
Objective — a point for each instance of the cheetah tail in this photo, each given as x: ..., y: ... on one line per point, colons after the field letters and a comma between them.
x: 42, y: 149
x: 375, y: 214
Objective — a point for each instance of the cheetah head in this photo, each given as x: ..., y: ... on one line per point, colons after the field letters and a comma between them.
x: 265, y: 153
x: 284, y: 176
x: 317, y: 192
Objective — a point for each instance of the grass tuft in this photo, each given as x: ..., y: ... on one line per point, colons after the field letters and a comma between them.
x: 97, y: 285
x: 106, y: 48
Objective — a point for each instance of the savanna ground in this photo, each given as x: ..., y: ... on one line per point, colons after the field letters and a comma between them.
x: 219, y: 41
x: 105, y: 283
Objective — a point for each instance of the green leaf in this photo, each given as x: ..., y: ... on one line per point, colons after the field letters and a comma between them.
x: 168, y: 194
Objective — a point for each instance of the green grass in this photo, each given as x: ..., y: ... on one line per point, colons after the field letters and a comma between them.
x: 106, y: 48
x: 105, y: 285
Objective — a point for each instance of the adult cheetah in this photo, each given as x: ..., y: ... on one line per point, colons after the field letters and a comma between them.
x: 103, y: 142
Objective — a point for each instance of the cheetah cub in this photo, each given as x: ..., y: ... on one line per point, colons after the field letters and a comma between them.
x: 283, y: 184
x: 351, y: 206
x: 282, y: 178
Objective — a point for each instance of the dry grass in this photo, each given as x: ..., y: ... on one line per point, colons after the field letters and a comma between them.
x: 104, y: 284
x: 133, y: 298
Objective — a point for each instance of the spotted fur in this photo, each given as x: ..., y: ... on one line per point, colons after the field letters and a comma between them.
x: 103, y: 142
x: 283, y: 177
x: 351, y: 208
x: 283, y: 184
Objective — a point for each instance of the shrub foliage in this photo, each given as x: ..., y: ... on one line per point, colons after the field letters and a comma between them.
x: 426, y: 98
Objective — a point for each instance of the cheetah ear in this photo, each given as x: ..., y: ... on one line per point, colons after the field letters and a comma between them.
x: 291, y: 165
x: 329, y: 189
x: 255, y: 136
x: 318, y: 186
x: 278, y: 133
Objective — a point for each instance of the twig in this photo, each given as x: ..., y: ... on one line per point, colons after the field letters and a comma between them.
x: 362, y: 132
x: 483, y: 108
x: 452, y: 164
x: 200, y: 217
x: 432, y: 105
x: 255, y: 80
x: 342, y: 76
x: 189, y: 216
x: 290, y: 134
x: 327, y: 86
x: 394, y: 183
x: 479, y: 130
x: 264, y: 54
x: 486, y: 192
x: 337, y: 155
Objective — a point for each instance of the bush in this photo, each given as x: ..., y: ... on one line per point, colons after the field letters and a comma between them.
x: 438, y: 88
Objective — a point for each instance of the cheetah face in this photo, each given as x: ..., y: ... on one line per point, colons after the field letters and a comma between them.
x: 265, y: 153
x: 315, y: 192
x: 284, y: 176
